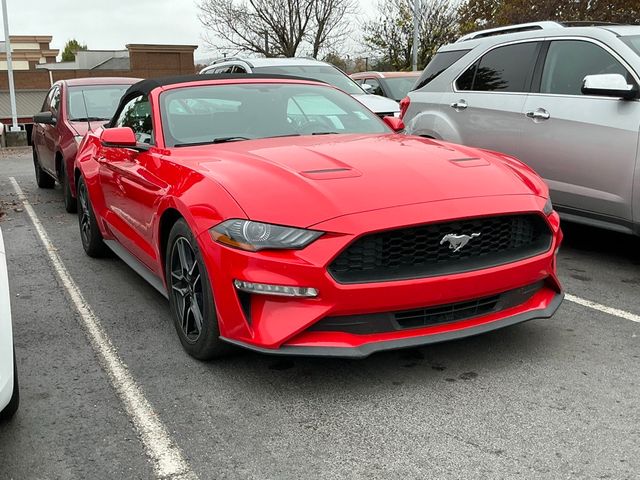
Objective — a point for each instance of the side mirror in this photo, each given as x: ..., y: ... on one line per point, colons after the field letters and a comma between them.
x: 367, y: 88
x: 120, y: 137
x: 609, y: 85
x: 395, y: 123
x: 45, y: 117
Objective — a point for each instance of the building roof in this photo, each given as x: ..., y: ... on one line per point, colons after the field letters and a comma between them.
x: 114, y: 63
x: 28, y: 103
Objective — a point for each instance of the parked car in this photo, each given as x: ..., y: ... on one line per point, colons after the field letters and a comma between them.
x: 289, y: 219
x: 9, y: 390
x: 561, y: 97
x: 394, y: 85
x: 71, y: 108
x: 308, y: 68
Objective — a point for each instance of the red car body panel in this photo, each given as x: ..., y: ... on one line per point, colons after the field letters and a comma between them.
x: 54, y: 142
x: 344, y: 185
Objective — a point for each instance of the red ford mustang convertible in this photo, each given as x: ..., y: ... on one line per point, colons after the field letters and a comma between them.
x: 280, y: 215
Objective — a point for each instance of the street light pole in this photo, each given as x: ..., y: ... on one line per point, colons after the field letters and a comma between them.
x: 12, y: 90
x: 416, y: 24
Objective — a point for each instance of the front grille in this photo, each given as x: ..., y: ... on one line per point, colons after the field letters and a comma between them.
x: 428, y: 316
x: 418, y: 252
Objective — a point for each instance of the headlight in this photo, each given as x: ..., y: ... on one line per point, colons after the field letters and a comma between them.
x: 254, y: 236
x: 548, y: 208
x: 79, y: 138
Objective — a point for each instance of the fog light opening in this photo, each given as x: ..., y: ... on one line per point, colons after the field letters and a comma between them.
x: 279, y: 290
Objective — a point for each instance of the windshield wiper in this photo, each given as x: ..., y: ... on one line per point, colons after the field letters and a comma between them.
x: 324, y: 133
x: 88, y: 119
x: 285, y: 135
x: 215, y: 140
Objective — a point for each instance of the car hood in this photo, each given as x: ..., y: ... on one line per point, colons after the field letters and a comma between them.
x: 81, y: 128
x: 377, y: 103
x: 301, y: 181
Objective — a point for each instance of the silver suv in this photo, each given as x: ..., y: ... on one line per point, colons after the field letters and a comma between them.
x: 309, y: 68
x: 563, y: 98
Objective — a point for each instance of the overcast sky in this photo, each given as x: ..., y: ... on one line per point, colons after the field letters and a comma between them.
x: 111, y: 24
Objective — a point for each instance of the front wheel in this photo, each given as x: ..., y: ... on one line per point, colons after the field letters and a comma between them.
x: 12, y: 407
x: 191, y: 296
x: 92, y: 241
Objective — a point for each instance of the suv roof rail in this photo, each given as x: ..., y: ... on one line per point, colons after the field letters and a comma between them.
x: 225, y: 59
x: 522, y: 27
x: 587, y: 23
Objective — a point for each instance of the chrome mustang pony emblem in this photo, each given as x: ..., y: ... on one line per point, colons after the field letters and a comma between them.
x: 457, y: 242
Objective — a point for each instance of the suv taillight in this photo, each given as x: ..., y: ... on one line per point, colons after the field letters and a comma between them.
x: 404, y: 106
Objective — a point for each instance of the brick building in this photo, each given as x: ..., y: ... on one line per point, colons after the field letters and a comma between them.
x: 36, y: 69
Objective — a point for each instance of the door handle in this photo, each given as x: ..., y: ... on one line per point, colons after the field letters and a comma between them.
x: 539, y: 114
x: 459, y: 105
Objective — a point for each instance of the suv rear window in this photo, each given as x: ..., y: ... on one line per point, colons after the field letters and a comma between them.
x: 438, y: 64
x: 507, y: 69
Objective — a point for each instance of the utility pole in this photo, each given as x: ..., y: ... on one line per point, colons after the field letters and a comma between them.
x: 416, y: 26
x: 12, y: 90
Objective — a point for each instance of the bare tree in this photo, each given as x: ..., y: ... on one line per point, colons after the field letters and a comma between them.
x: 275, y: 27
x: 390, y: 35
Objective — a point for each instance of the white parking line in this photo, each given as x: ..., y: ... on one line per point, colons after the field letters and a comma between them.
x: 167, y: 460
x: 616, y: 312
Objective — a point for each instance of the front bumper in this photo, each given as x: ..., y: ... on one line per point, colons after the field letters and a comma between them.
x: 282, y: 325
x: 367, y: 349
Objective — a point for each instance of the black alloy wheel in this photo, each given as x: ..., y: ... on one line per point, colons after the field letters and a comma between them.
x: 191, y: 296
x: 92, y: 241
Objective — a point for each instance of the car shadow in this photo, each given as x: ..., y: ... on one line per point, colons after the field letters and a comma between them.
x: 461, y: 361
x: 586, y: 239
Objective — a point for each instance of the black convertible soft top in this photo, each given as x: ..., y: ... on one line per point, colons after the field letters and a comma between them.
x: 143, y: 87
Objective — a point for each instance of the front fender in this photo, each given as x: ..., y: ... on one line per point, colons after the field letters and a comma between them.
x: 435, y: 124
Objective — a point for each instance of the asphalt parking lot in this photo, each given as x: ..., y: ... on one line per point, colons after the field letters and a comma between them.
x: 553, y: 398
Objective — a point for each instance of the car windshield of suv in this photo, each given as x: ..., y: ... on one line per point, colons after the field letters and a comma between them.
x: 93, y: 102
x: 400, y: 86
x: 324, y: 73
x: 229, y: 113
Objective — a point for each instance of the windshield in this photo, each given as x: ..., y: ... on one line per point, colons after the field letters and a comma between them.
x: 400, y: 86
x: 220, y: 113
x: 93, y: 102
x: 324, y: 73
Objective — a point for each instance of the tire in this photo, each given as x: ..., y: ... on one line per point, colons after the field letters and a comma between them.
x: 90, y: 235
x: 43, y: 179
x: 188, y: 284
x: 70, y: 203
x: 12, y: 407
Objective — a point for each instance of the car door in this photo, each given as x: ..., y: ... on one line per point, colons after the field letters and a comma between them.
x: 485, y: 106
x: 47, y: 151
x: 38, y: 128
x: 584, y: 146
x: 130, y: 186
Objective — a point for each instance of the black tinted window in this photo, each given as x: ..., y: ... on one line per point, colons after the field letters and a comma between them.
x: 506, y: 69
x: 136, y: 115
x: 569, y: 61
x: 465, y: 81
x: 438, y: 64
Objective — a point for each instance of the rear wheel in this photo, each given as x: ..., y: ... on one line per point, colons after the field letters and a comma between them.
x: 92, y: 241
x: 190, y: 296
x: 70, y: 203
x: 43, y: 179
x: 12, y: 407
